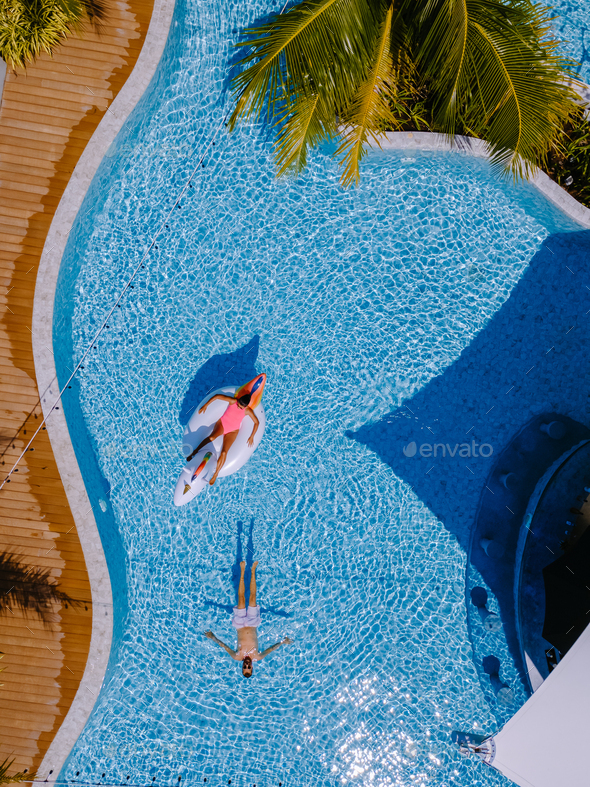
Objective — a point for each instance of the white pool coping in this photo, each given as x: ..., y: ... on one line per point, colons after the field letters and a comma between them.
x: 70, y: 203
x: 54, y: 247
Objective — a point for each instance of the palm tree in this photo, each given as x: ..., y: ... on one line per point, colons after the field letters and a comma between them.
x: 353, y: 69
x: 16, y: 777
x: 29, y: 588
x: 29, y: 27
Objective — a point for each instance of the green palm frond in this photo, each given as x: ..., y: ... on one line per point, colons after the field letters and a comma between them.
x: 30, y: 27
x: 387, y: 100
x: 300, y: 128
x: 440, y: 33
x: 370, y: 110
x: 491, y: 68
x: 27, y: 29
x: 317, y: 48
x: 16, y: 777
x: 485, y: 67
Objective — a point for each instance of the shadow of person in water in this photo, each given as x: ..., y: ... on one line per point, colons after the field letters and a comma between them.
x: 236, y: 572
x: 220, y: 370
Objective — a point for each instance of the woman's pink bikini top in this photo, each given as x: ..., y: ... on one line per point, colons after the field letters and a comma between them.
x: 232, y: 417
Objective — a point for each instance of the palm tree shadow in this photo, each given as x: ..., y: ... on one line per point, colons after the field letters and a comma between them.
x: 31, y: 589
x: 218, y: 371
x: 249, y: 558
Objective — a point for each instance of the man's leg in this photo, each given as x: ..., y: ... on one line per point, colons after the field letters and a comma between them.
x: 242, y: 587
x: 217, y: 431
x: 228, y: 441
x: 252, y: 602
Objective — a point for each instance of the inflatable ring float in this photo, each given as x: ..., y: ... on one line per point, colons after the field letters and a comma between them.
x: 198, y: 472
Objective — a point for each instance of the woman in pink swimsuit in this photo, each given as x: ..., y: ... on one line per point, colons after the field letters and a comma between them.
x: 228, y: 426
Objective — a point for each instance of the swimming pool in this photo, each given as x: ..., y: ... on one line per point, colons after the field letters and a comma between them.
x: 351, y: 302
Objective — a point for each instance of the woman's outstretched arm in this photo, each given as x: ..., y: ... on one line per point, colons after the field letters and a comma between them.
x: 221, y: 397
x: 254, y: 417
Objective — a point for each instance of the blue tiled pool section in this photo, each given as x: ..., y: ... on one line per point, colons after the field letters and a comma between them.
x: 353, y: 303
x: 571, y: 26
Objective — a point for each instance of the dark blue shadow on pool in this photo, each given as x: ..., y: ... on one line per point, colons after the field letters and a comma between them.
x: 249, y: 558
x: 529, y: 359
x: 235, y: 368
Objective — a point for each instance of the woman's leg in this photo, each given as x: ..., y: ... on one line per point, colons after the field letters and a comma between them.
x: 217, y: 432
x: 242, y: 587
x: 252, y: 602
x: 228, y: 441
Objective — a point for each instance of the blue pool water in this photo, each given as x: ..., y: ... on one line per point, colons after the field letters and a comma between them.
x: 350, y: 302
x: 571, y: 26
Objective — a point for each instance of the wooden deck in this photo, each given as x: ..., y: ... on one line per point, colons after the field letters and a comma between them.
x: 47, y: 116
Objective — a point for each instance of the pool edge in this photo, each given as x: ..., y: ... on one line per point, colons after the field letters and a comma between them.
x: 429, y: 141
x: 43, y: 305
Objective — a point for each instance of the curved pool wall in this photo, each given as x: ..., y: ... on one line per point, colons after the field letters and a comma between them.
x: 97, y: 486
x: 88, y: 500
x: 333, y: 544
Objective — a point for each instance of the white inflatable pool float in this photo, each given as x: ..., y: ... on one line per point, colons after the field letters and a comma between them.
x: 197, y: 473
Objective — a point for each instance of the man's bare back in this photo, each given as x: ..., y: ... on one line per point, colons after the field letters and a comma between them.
x: 246, y: 621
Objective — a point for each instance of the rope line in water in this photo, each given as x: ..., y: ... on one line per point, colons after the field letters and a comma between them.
x: 115, y: 305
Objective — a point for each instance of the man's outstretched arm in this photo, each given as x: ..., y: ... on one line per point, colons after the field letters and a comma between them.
x: 276, y: 646
x: 228, y: 650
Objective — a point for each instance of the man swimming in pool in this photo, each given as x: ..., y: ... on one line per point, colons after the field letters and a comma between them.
x: 228, y: 426
x: 246, y: 620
